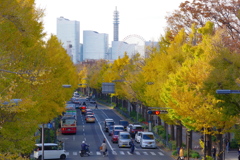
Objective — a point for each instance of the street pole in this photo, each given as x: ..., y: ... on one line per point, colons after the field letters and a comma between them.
x: 42, y: 141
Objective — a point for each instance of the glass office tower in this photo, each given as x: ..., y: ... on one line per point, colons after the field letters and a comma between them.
x: 68, y: 32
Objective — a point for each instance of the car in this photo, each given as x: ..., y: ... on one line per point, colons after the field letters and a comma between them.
x: 138, y: 136
x: 110, y: 129
x: 119, y: 127
x: 147, y: 140
x: 115, y: 134
x: 124, y: 139
x: 83, y: 109
x: 89, y: 113
x: 108, y: 122
x: 124, y: 123
x: 51, y: 151
x: 134, y: 128
x: 92, y: 101
x: 90, y: 118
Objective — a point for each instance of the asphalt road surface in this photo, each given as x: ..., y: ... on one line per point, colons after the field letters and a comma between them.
x: 93, y: 134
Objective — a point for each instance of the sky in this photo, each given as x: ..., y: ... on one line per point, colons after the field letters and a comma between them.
x: 141, y: 19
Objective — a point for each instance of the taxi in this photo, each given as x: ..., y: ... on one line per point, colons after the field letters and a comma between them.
x: 90, y: 119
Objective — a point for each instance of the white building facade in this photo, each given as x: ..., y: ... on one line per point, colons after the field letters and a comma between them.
x: 95, y: 45
x: 68, y: 32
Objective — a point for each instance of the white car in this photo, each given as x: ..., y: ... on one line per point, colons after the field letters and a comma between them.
x: 124, y: 139
x: 51, y: 151
x: 147, y: 140
x: 138, y: 136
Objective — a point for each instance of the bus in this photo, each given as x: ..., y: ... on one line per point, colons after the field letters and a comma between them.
x: 68, y: 125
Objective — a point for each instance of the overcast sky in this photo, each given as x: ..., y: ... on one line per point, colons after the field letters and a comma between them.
x: 144, y: 18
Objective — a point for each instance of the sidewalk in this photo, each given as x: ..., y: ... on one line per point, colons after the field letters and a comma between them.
x: 231, y: 155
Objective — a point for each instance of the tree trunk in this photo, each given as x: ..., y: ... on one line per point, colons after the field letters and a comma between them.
x: 179, y: 136
x: 208, y: 145
x: 219, y: 146
x: 172, y: 132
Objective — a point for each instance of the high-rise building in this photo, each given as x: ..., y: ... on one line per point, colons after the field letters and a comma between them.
x: 68, y: 32
x: 95, y: 45
x: 115, y: 25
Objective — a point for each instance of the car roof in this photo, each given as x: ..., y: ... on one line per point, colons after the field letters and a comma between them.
x: 147, y: 132
x: 108, y: 119
x: 118, y: 125
x: 124, y: 132
x: 46, y: 144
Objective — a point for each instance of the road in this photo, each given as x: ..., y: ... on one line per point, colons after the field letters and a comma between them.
x: 93, y: 134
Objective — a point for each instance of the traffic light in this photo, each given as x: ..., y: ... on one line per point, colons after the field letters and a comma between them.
x: 157, y: 112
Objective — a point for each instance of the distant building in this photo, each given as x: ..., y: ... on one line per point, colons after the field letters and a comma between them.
x: 95, y: 45
x: 68, y: 32
x: 115, y: 25
x: 120, y: 47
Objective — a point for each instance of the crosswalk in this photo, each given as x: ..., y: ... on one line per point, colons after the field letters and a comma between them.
x: 121, y: 153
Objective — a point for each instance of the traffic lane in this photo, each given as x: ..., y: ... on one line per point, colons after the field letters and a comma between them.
x: 72, y: 142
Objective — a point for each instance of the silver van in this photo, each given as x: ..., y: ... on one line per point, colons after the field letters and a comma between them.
x: 51, y: 151
x: 147, y: 140
x: 124, y: 139
x: 108, y: 122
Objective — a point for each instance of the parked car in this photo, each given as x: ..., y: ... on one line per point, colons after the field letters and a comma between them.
x: 123, y: 139
x: 115, y: 134
x: 124, y: 123
x: 138, y: 136
x: 51, y: 151
x: 108, y: 122
x: 147, y: 140
x: 90, y: 118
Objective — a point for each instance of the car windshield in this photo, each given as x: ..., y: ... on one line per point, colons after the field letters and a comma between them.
x: 138, y: 128
x: 121, y: 128
x: 110, y: 127
x: 125, y: 136
x: 109, y: 123
x: 148, y: 136
x: 116, y: 132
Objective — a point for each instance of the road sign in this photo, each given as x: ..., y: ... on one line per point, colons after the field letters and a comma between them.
x: 227, y: 91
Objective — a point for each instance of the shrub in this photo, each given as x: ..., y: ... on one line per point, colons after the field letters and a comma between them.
x: 194, y: 154
x: 174, y: 153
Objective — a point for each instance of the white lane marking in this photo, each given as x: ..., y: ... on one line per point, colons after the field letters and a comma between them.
x: 145, y: 153
x: 154, y: 154
x: 129, y: 153
x: 137, y: 153
x: 73, y: 138
x: 98, y: 153
x: 104, y: 135
x: 160, y: 153
x: 122, y: 153
x: 114, y: 152
x: 74, y: 153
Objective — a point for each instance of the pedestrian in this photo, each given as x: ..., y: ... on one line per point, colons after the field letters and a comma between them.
x: 214, y: 152
x: 96, y: 107
x: 181, y: 153
x: 103, y: 148
x: 132, y: 146
x: 239, y: 154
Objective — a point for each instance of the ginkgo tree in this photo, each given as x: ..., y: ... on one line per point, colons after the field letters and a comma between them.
x: 33, y: 71
x: 185, y: 91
